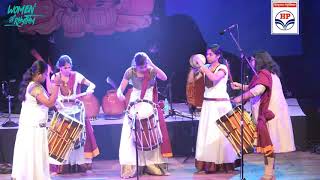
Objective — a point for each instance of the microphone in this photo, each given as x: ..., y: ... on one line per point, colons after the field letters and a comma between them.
x: 228, y: 29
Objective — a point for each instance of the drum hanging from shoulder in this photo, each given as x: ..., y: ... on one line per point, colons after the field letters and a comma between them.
x: 229, y: 124
x: 194, y: 89
x: 63, y: 133
x: 76, y: 109
x: 144, y: 122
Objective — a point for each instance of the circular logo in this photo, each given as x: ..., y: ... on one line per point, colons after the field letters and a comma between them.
x: 284, y: 20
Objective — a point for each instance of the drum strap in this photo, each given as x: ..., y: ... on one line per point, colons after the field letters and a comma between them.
x: 216, y: 99
x: 144, y: 85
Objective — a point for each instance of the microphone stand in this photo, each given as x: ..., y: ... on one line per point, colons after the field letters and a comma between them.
x: 136, y: 145
x: 192, y: 110
x: 172, y: 112
x: 9, y: 122
x: 242, y: 75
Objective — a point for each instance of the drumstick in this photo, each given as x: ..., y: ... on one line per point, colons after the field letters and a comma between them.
x: 38, y: 57
x: 229, y: 72
x: 111, y: 82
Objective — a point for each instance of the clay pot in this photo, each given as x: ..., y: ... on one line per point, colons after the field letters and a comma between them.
x: 111, y: 104
x: 91, y: 105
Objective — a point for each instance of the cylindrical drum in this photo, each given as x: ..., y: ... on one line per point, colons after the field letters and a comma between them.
x: 194, y: 90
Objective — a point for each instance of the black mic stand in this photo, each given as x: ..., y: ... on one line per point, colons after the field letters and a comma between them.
x: 242, y: 75
x: 136, y: 145
x: 193, y: 135
x: 5, y: 92
x: 172, y: 111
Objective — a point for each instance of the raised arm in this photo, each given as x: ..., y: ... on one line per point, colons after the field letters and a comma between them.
x: 160, y: 74
x: 121, y: 88
x: 40, y: 94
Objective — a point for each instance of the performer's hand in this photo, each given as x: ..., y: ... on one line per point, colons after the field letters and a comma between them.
x: 199, y: 62
x: 57, y: 79
x: 120, y: 95
x: 89, y: 91
x: 150, y: 63
x: 49, y: 70
x: 195, y: 70
x: 236, y: 85
x: 59, y: 104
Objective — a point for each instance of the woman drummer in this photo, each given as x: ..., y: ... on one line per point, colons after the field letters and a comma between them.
x: 80, y: 159
x: 213, y: 151
x: 142, y: 74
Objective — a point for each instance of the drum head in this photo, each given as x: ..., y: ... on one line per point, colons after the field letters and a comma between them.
x: 71, y: 107
x: 143, y: 109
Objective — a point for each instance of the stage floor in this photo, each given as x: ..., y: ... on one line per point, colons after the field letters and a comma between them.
x: 289, y: 166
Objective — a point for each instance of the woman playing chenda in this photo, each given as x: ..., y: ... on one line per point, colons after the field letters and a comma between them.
x: 31, y: 154
x: 142, y: 75
x: 270, y: 110
x: 80, y: 159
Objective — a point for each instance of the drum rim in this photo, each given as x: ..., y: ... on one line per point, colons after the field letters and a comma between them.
x: 154, y: 106
x: 68, y: 116
x: 229, y: 113
x: 148, y: 148
x: 140, y: 100
x: 76, y: 102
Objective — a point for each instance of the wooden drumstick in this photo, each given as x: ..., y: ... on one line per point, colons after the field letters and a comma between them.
x: 38, y: 57
x: 229, y: 72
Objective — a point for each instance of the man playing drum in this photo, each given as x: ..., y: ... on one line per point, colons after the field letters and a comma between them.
x: 143, y: 74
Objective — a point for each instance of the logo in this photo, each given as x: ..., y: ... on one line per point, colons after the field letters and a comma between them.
x: 284, y: 20
x: 285, y: 17
x: 21, y: 15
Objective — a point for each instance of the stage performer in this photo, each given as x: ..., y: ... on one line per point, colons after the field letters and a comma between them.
x: 213, y: 150
x: 31, y: 156
x: 270, y: 110
x: 142, y: 75
x: 80, y: 159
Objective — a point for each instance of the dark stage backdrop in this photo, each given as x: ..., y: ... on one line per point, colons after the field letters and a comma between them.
x: 179, y: 29
x: 253, y: 18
